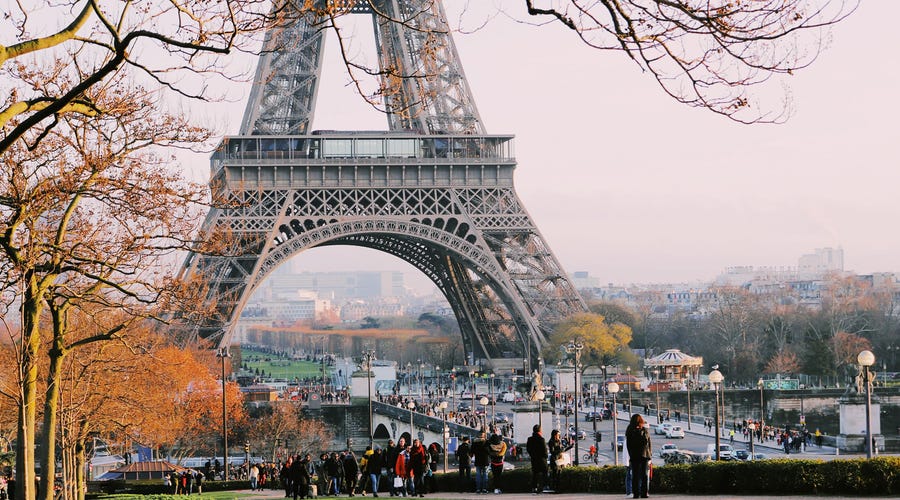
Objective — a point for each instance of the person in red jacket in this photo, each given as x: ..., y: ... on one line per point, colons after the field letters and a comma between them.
x: 418, y: 460
x: 401, y: 472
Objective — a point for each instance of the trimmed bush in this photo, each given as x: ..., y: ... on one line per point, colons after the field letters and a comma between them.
x: 876, y: 477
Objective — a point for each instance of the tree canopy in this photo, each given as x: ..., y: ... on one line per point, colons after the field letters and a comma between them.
x: 602, y: 341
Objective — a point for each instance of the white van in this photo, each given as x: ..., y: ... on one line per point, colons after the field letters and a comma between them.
x: 725, y: 450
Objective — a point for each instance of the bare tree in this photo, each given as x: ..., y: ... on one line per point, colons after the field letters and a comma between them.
x: 707, y: 54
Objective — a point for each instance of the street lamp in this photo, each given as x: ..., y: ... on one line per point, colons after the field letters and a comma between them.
x: 472, y: 378
x: 751, y: 427
x: 658, y: 414
x: 411, y: 405
x: 762, y: 408
x: 369, y: 354
x: 716, y: 378
x: 446, y: 432
x: 484, y: 402
x: 576, y: 347
x: 422, y: 382
x: 540, y: 397
x: 628, y: 373
x: 453, y: 387
x: 223, y: 354
x: 687, y: 383
x: 493, y: 403
x: 865, y: 360
x: 613, y: 389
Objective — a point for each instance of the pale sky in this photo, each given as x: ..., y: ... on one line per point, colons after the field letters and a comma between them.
x: 627, y: 184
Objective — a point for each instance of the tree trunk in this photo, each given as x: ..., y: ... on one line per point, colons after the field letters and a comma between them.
x: 28, y: 370
x: 51, y: 405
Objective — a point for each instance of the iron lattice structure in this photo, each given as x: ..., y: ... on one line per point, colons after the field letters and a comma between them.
x: 434, y: 190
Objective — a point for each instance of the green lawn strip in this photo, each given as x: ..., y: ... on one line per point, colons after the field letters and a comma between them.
x: 215, y: 495
x: 283, y: 368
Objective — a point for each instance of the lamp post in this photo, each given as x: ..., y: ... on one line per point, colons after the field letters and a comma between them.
x: 602, y: 388
x: 493, y: 403
x: 716, y: 378
x: 628, y: 373
x: 575, y: 347
x: 445, y: 431
x: 411, y: 405
x: 613, y: 389
x: 656, y: 376
x: 453, y: 387
x: 223, y: 354
x: 687, y: 383
x: 762, y: 408
x: 865, y: 360
x: 422, y: 382
x: 369, y: 354
x: 540, y: 397
x: 751, y: 427
x: 472, y: 378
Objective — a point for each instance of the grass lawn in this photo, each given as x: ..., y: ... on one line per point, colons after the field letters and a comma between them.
x: 281, y: 367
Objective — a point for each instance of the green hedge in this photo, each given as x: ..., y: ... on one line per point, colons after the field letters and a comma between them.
x: 859, y: 477
x: 156, y: 486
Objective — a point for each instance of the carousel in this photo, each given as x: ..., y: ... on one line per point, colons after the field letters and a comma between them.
x: 673, y: 370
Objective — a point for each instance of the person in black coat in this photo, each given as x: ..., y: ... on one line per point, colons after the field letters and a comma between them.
x: 537, y: 450
x: 640, y: 451
x: 351, y: 472
x: 374, y: 464
x: 299, y: 475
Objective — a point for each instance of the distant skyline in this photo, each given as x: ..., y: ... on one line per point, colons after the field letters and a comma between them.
x: 632, y: 187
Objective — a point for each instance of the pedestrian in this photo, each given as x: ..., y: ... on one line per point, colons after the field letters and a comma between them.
x: 497, y: 447
x: 536, y: 447
x: 254, y: 477
x: 640, y: 451
x: 482, y: 455
x: 626, y: 459
x: 374, y: 464
x: 418, y: 462
x: 401, y: 472
x: 464, y: 457
x: 556, y: 450
x: 351, y: 472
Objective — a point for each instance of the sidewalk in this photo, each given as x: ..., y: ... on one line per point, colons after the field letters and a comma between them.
x: 259, y: 495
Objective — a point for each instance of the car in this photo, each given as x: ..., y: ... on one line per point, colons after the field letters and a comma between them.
x: 662, y: 428
x: 461, y: 407
x: 592, y: 415
x: 620, y: 441
x: 501, y: 418
x: 742, y: 454
x: 676, y: 431
x: 607, y: 413
x: 480, y: 410
x: 567, y: 410
x: 580, y: 434
x: 667, y: 449
x: 726, y: 451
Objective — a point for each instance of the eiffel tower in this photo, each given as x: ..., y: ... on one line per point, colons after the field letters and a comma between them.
x: 434, y: 190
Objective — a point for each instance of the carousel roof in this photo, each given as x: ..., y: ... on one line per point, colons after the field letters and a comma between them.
x: 673, y: 357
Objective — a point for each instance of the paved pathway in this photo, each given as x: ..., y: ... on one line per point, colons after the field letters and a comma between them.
x: 259, y: 495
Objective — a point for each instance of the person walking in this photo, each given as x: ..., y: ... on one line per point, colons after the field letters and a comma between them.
x: 627, y: 461
x: 351, y: 472
x: 536, y: 447
x: 418, y: 461
x: 254, y: 477
x: 464, y: 459
x: 401, y: 472
x: 497, y: 448
x: 374, y: 464
x: 482, y: 455
x: 556, y: 450
x: 640, y: 451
